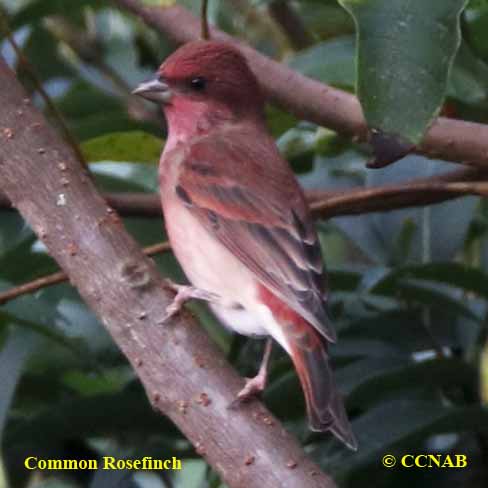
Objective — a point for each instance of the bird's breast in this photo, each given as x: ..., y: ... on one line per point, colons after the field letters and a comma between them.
x: 210, y: 266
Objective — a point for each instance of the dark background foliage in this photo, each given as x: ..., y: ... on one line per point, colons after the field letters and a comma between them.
x: 409, y: 287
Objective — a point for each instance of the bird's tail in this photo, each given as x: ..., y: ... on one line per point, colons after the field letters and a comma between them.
x: 325, y: 407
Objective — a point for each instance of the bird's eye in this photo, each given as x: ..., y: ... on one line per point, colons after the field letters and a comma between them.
x: 198, y: 83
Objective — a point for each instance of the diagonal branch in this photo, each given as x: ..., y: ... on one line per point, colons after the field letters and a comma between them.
x: 176, y: 362
x: 448, y: 139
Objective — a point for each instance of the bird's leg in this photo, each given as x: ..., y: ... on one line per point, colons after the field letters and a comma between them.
x: 254, y: 386
x: 185, y: 293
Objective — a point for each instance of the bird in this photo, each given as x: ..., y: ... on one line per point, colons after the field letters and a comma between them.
x: 238, y: 221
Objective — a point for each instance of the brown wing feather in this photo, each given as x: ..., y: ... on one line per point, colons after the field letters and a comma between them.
x: 259, y: 213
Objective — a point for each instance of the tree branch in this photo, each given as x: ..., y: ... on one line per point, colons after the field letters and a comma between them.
x: 413, y: 193
x: 339, y: 203
x: 448, y: 139
x: 33, y: 286
x: 324, y: 205
x: 176, y: 362
x: 61, y: 277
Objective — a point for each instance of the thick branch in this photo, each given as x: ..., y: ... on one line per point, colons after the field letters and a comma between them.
x: 451, y: 140
x: 184, y: 374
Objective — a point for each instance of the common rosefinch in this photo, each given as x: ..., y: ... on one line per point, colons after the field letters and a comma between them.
x: 238, y: 221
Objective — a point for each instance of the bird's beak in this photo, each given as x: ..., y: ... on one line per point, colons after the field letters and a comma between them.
x: 154, y: 90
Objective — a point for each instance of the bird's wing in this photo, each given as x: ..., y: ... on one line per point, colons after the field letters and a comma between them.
x: 248, y: 198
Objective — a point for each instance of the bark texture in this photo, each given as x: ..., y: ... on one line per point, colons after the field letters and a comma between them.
x: 185, y: 376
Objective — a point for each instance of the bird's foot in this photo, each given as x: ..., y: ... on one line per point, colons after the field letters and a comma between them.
x: 255, y: 386
x: 252, y: 389
x: 183, y: 294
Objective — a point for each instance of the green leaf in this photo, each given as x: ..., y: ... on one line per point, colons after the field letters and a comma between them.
x: 41, y: 49
x: 398, y: 423
x: 278, y: 121
x: 39, y: 9
x: 84, y: 417
x: 405, y: 52
x: 369, y: 381
x: 469, y: 77
x: 113, y: 479
x: 454, y: 274
x: 379, y: 235
x: 325, y: 18
x: 484, y: 374
x: 90, y: 112
x: 403, y: 242
x: 426, y: 293
x: 192, y: 476
x: 84, y: 99
x: 13, y: 355
x: 331, y: 62
x: 476, y: 27
x: 125, y: 177
x: 89, y: 384
x: 443, y: 241
x: 401, y: 328
x: 343, y: 279
x: 13, y: 232
x: 134, y: 146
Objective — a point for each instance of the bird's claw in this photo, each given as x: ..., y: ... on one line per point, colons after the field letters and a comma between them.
x: 252, y: 389
x: 171, y: 309
x: 183, y: 294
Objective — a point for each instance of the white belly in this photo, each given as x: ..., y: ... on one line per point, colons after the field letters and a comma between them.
x: 209, y: 266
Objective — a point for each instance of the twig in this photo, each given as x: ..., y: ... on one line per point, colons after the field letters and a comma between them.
x: 415, y: 193
x: 32, y: 286
x: 61, y: 277
x: 205, y: 33
x: 451, y: 140
x: 338, y: 203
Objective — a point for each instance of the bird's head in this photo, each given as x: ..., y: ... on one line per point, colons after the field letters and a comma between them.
x: 205, y: 80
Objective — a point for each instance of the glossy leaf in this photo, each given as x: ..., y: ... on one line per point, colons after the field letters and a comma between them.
x: 37, y: 10
x: 405, y: 52
x: 398, y: 422
x: 380, y: 377
x: 454, y: 274
x: 133, y: 146
x: 15, y: 351
x: 331, y: 62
